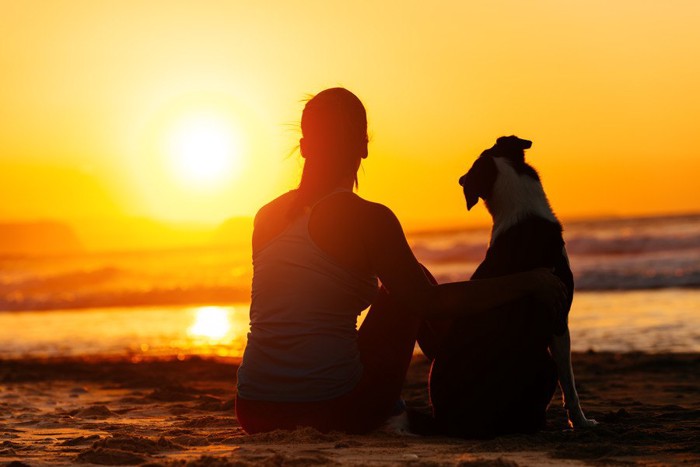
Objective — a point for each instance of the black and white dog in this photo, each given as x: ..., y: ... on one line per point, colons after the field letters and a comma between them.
x: 496, y: 373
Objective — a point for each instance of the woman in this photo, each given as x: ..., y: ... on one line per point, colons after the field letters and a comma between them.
x: 317, y: 253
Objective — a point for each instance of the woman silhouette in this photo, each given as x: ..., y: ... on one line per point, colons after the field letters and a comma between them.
x: 317, y: 253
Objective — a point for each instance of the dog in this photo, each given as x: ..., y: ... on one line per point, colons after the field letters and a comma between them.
x: 496, y: 373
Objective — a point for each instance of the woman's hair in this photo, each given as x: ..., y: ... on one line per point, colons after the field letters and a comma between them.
x: 334, y: 138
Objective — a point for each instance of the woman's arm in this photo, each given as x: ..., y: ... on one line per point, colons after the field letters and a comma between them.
x: 457, y: 298
x: 402, y: 275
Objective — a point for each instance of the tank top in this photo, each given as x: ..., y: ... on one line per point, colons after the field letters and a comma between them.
x: 302, y: 344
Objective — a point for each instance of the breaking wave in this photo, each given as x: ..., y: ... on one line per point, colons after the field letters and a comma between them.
x: 616, y: 254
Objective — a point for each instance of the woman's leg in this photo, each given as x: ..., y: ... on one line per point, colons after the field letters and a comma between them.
x: 386, y: 340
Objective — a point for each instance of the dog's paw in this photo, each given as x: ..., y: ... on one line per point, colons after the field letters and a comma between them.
x: 578, y: 423
x: 577, y: 420
x: 587, y: 423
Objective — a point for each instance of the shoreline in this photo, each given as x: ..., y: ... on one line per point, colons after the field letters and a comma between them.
x: 165, y: 411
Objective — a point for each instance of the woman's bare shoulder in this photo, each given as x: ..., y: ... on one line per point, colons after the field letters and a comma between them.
x: 368, y: 220
x: 271, y: 220
x: 377, y: 215
x: 357, y: 209
x: 275, y: 209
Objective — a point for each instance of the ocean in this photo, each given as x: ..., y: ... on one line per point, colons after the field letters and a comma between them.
x: 637, y: 289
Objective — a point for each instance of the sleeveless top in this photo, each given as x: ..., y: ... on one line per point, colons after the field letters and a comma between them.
x: 302, y: 344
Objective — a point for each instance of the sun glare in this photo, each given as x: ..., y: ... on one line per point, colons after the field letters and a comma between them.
x: 202, y: 157
x: 211, y: 322
x: 204, y: 150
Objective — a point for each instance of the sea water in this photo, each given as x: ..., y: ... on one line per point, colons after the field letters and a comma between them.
x: 637, y: 289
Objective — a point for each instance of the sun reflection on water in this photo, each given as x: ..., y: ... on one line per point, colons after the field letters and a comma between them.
x: 216, y: 330
x: 211, y: 322
x: 633, y: 321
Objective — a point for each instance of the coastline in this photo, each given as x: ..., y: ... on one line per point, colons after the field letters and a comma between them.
x: 109, y: 410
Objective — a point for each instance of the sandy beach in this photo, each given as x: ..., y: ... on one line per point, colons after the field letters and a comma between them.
x: 172, y: 412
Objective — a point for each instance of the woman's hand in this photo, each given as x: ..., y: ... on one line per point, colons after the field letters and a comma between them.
x: 549, y: 290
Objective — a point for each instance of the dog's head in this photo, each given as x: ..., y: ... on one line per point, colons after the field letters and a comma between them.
x: 478, y: 181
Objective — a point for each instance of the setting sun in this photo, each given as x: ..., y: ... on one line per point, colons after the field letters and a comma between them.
x: 200, y: 157
x: 204, y: 150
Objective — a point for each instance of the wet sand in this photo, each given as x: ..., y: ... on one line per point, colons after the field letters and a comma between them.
x: 181, y: 412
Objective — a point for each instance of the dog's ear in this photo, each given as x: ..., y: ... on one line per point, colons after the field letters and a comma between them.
x: 513, y: 142
x: 477, y: 183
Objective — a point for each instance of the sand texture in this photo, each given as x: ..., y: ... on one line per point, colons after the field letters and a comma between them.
x: 176, y: 413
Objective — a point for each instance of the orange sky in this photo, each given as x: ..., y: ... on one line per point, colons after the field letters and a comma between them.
x: 91, y: 93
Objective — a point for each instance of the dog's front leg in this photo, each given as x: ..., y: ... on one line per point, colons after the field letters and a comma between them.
x: 561, y: 353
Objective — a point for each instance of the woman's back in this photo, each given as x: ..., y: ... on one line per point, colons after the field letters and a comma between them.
x: 336, y: 226
x: 302, y: 344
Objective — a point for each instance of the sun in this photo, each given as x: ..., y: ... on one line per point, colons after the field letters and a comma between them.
x: 202, y: 158
x: 203, y: 150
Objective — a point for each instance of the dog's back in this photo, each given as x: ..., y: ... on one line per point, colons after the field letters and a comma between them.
x: 494, y: 374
